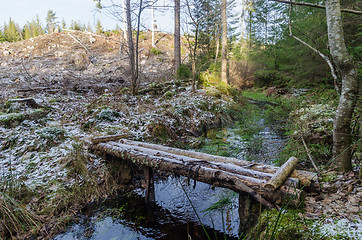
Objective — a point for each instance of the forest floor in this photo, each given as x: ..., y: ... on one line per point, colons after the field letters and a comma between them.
x: 82, y: 93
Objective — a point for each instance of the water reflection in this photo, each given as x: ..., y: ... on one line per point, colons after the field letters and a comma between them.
x: 171, y: 217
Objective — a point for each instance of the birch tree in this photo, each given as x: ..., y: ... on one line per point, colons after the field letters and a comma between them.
x: 342, y: 138
x: 346, y: 71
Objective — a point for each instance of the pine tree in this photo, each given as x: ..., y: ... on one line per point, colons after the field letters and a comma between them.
x: 51, y: 21
x: 27, y: 31
x: 64, y: 24
x: 2, y: 37
x: 99, y: 28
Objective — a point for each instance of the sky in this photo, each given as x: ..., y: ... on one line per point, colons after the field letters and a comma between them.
x: 22, y: 11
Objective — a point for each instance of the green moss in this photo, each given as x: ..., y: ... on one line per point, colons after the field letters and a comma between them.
x: 13, y: 119
x: 279, y: 226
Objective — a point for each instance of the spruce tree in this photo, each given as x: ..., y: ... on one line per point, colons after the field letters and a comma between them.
x: 11, y: 33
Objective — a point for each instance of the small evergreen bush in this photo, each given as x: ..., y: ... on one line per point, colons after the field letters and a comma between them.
x: 183, y: 71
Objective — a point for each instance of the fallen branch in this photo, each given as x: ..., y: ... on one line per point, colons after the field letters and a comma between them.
x: 310, y: 157
x: 37, y: 89
x: 78, y: 41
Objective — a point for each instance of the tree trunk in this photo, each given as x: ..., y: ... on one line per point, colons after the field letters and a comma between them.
x: 224, y: 43
x: 342, y: 138
x: 124, y: 11
x: 153, y: 23
x: 242, y: 25
x: 217, y: 37
x: 130, y: 45
x: 177, y: 44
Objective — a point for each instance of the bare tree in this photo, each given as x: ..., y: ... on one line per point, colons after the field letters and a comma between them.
x: 177, y: 42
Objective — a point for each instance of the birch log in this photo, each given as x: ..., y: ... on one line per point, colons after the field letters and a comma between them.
x: 282, y: 174
x: 196, y: 169
x: 308, y: 180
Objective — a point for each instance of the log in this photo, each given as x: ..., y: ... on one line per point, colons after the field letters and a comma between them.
x: 37, y: 89
x: 14, y: 119
x: 225, y: 167
x: 116, y: 137
x: 30, y: 102
x: 308, y: 180
x: 195, y: 169
x: 282, y: 174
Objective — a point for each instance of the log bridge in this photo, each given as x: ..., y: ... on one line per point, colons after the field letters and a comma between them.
x: 269, y: 185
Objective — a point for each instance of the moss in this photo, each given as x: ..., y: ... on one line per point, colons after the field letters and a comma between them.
x: 287, y: 225
x: 108, y: 115
x: 13, y: 119
x: 168, y: 94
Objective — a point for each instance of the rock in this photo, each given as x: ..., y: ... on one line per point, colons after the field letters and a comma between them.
x: 6, y: 53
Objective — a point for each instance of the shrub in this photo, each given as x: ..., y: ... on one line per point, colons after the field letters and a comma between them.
x: 155, y: 51
x: 268, y: 78
x: 183, y: 71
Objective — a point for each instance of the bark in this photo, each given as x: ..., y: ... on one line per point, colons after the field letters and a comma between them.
x: 177, y: 42
x: 217, y: 37
x: 194, y: 169
x: 124, y: 20
x: 130, y: 46
x: 342, y: 138
x: 153, y: 23
x: 135, y: 80
x: 224, y: 43
x: 242, y: 25
x: 307, y: 179
x: 282, y: 174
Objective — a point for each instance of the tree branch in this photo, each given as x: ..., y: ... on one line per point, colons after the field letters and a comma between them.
x: 325, y: 58
x: 316, y: 6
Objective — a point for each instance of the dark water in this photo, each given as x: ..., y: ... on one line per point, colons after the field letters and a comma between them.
x: 171, y: 217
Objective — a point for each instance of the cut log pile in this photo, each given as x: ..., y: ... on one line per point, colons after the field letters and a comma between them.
x: 264, y: 183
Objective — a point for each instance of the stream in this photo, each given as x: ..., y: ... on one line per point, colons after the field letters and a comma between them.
x: 178, y: 210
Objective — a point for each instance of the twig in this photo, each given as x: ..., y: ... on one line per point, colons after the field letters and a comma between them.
x: 310, y: 157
